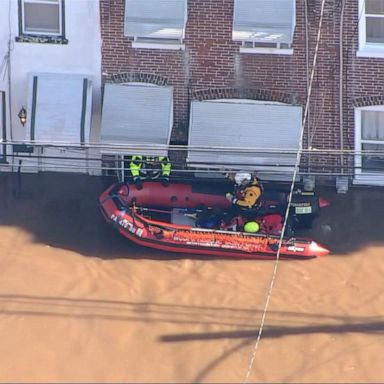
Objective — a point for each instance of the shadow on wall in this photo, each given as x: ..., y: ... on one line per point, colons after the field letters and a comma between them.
x: 61, y: 210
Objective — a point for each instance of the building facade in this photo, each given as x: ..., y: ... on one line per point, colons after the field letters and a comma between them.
x: 217, y: 84
x: 50, y: 69
x: 259, y: 57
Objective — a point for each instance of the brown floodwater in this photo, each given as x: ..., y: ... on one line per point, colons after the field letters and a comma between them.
x: 80, y: 303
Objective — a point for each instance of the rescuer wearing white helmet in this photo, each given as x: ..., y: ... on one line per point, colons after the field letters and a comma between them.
x: 242, y: 178
x: 248, y: 191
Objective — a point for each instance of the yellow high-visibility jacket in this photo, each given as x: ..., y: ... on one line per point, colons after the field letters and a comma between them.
x: 146, y: 167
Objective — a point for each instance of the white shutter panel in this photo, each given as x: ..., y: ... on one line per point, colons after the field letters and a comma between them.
x: 59, y: 108
x: 137, y: 115
x: 164, y: 19
x: 268, y: 21
x: 251, y: 135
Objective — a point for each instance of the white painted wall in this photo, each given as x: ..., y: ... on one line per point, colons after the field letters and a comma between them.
x: 82, y: 55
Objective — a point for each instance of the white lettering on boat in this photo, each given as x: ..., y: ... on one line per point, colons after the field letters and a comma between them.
x: 126, y: 224
x: 294, y: 248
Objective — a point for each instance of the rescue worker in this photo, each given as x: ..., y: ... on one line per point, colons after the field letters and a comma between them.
x: 149, y: 168
x: 247, y: 194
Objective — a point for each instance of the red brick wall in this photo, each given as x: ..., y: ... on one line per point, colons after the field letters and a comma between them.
x: 211, y: 63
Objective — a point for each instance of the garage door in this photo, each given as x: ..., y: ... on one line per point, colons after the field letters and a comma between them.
x: 244, y: 134
x: 137, y: 119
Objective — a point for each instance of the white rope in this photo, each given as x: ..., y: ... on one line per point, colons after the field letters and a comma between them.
x: 252, y: 360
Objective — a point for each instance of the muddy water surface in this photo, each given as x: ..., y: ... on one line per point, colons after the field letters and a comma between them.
x: 79, y: 303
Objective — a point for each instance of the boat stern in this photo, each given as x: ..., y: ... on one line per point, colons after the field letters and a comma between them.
x: 318, y: 250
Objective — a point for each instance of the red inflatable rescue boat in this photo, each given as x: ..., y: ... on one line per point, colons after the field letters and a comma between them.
x: 170, y: 219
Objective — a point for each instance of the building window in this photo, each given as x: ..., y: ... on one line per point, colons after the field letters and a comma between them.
x: 369, y: 142
x: 41, y: 21
x: 156, y: 23
x: 264, y: 26
x: 371, y: 28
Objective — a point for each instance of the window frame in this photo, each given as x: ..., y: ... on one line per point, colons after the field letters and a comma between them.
x: 38, y: 36
x: 159, y: 42
x: 276, y: 50
x: 275, y: 47
x: 361, y: 176
x: 367, y: 49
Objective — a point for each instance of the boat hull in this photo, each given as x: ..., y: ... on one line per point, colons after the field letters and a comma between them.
x: 153, y: 194
x: 130, y: 222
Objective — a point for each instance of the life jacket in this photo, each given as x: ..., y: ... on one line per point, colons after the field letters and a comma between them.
x: 248, y: 196
x: 147, y: 167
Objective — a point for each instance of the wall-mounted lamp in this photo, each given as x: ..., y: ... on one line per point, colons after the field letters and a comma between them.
x: 22, y: 116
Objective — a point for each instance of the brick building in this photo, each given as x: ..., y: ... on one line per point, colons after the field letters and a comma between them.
x: 225, y: 81
x: 258, y: 55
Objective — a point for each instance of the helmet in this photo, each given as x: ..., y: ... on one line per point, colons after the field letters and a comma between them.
x: 251, y: 227
x: 242, y: 177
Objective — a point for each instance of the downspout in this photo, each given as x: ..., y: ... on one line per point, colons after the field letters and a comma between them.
x: 9, y: 75
x: 7, y: 68
x: 307, y: 77
x: 308, y: 180
x: 9, y: 90
x: 4, y: 122
x: 341, y: 93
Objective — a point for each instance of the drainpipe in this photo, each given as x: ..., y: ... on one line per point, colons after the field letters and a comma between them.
x: 4, y: 121
x: 9, y: 73
x: 341, y: 181
x: 307, y: 65
x: 308, y: 180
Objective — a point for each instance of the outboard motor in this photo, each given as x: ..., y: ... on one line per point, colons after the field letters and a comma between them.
x: 304, y: 209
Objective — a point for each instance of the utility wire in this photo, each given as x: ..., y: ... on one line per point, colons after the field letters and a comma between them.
x: 252, y: 360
